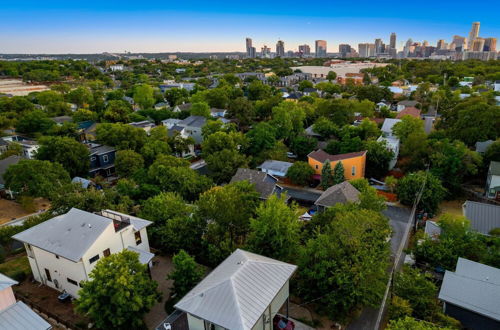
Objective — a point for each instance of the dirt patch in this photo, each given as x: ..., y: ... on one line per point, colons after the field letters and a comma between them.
x: 10, y: 210
x: 452, y: 207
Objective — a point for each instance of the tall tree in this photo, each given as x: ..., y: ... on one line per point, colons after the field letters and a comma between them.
x: 187, y: 273
x: 274, y: 232
x: 410, y: 185
x: 128, y: 162
x: 326, y: 175
x: 300, y: 173
x: 338, y: 173
x: 119, y: 293
x: 71, y: 154
x: 144, y: 96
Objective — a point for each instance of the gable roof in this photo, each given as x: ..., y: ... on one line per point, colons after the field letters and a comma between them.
x: 275, y: 165
x: 265, y: 184
x: 5, y: 163
x: 409, y: 111
x: 68, y: 235
x: 494, y: 168
x: 321, y: 156
x: 193, y: 121
x: 483, y: 217
x: 432, y: 229
x: 20, y: 316
x: 236, y: 293
x: 389, y: 124
x: 473, y: 286
x: 6, y: 282
x: 483, y: 145
x: 340, y: 193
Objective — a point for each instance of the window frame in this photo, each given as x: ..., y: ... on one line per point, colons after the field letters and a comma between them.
x: 138, y: 237
x: 93, y: 259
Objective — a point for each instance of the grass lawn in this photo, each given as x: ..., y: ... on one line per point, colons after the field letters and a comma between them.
x: 452, y: 207
x: 14, y: 265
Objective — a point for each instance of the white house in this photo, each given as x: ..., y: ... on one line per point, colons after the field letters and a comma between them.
x: 30, y: 147
x: 15, y: 314
x: 63, y: 251
x: 392, y: 143
x: 116, y: 67
x: 275, y: 167
x: 492, y: 189
x: 192, y: 126
x: 388, y: 125
x: 244, y: 292
x: 496, y: 86
x: 146, y: 125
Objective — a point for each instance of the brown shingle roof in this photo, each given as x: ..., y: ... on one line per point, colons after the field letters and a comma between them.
x: 340, y: 193
x: 321, y: 156
x: 409, y: 111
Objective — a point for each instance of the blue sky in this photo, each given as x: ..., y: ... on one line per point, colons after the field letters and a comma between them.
x: 168, y: 26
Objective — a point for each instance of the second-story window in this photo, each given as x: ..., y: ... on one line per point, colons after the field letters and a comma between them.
x: 138, y: 238
x: 105, y: 158
x: 94, y: 259
x: 92, y: 159
x: 353, y: 172
x: 106, y: 253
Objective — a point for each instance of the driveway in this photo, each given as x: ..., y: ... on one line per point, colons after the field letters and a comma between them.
x: 162, y: 267
x: 398, y: 219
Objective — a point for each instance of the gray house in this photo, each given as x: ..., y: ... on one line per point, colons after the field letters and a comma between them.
x: 192, y: 126
x: 471, y: 295
x: 340, y: 193
x: 244, y: 292
x: 265, y: 184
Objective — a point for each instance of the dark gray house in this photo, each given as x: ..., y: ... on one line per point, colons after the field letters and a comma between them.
x: 102, y: 160
x: 265, y: 184
x: 340, y: 193
x: 471, y: 295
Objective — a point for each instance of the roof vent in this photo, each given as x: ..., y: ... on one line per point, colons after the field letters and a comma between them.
x: 90, y: 226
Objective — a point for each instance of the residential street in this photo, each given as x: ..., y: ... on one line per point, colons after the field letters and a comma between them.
x: 398, y: 218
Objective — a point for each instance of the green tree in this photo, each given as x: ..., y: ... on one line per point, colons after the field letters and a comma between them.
x: 338, y: 173
x: 144, y: 96
x: 258, y: 91
x: 71, y: 154
x: 409, y: 323
x: 165, y: 206
x: 332, y: 75
x: 200, y: 109
x: 128, y: 162
x: 81, y: 96
x: 345, y: 264
x: 119, y: 293
x: 300, y: 173
x: 121, y: 136
x: 34, y: 122
x: 176, y: 96
x: 410, y: 185
x: 305, y: 84
x: 242, y: 109
x: 36, y: 178
x: 407, y: 126
x: 492, y: 153
x: 327, y: 179
x: 274, y: 232
x: 153, y: 148
x: 325, y: 127
x: 261, y: 137
x: 288, y: 118
x: 187, y: 273
x: 224, y: 164
x: 117, y: 111
x: 13, y: 149
x: 302, y: 145
x: 378, y: 157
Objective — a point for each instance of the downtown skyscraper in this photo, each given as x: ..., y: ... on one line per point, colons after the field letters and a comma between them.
x: 280, y: 48
x: 250, y: 49
x: 320, y: 49
x: 473, y: 34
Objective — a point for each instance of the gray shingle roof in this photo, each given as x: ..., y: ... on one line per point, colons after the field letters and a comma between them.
x: 193, y: 121
x: 340, y: 193
x: 276, y: 165
x: 483, y: 217
x: 236, y: 293
x: 264, y: 183
x: 69, y: 235
x: 20, y: 317
x: 483, y: 145
x: 144, y: 256
x: 6, y: 282
x: 473, y: 286
x: 5, y: 163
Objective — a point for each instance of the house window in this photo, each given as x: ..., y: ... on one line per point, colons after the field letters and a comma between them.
x: 105, y: 158
x: 47, y: 275
x: 317, y: 167
x: 94, y: 259
x: 29, y: 251
x: 72, y: 281
x: 138, y: 239
x: 92, y: 159
x: 57, y: 257
x: 106, y: 253
x: 353, y: 171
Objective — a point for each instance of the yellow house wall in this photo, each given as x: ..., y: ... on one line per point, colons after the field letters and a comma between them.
x: 358, y: 162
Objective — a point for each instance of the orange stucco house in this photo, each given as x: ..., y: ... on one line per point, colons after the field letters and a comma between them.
x: 354, y: 163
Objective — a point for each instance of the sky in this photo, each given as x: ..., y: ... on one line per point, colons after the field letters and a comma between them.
x: 59, y: 27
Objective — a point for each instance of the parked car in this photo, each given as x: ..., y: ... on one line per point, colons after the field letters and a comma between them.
x: 291, y: 155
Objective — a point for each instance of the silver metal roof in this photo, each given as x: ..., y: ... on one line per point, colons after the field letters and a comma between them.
x: 6, y: 282
x: 144, y: 256
x: 389, y: 124
x: 483, y: 217
x: 69, y: 235
x: 236, y: 293
x: 473, y: 286
x: 275, y: 165
x: 20, y: 317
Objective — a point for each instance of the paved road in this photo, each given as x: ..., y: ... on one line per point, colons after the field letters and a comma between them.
x: 398, y: 218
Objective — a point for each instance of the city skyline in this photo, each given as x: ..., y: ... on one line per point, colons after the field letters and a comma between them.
x: 193, y: 26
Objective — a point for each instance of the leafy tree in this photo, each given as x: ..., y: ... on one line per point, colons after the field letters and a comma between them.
x: 344, y: 264
x: 305, y: 84
x: 261, y: 137
x: 200, y: 109
x: 338, y: 173
x: 410, y: 185
x: 407, y: 126
x: 327, y: 178
x: 153, y: 148
x: 258, y: 91
x: 224, y: 164
x: 274, y: 232
x: 242, y: 109
x: 121, y: 136
x: 71, y: 154
x: 227, y: 210
x: 302, y: 145
x: 409, y: 323
x: 117, y: 111
x: 13, y: 149
x: 34, y: 122
x: 332, y: 75
x: 87, y: 199
x: 339, y: 111
x: 164, y: 206
x: 80, y: 96
x: 325, y: 127
x: 214, y: 126
x: 119, y: 293
x: 391, y: 182
x: 492, y: 153
x: 36, y: 178
x: 378, y: 157
x: 128, y: 162
x: 288, y: 118
x: 300, y: 173
x: 144, y: 96
x: 187, y: 273
x: 369, y: 198
x: 176, y: 96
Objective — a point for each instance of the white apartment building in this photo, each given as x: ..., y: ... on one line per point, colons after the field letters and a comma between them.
x: 63, y: 251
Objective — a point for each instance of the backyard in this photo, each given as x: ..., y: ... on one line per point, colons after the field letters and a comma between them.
x: 10, y: 210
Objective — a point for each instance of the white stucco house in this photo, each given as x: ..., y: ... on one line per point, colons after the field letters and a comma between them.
x: 392, y: 144
x: 244, y: 292
x: 63, y: 251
